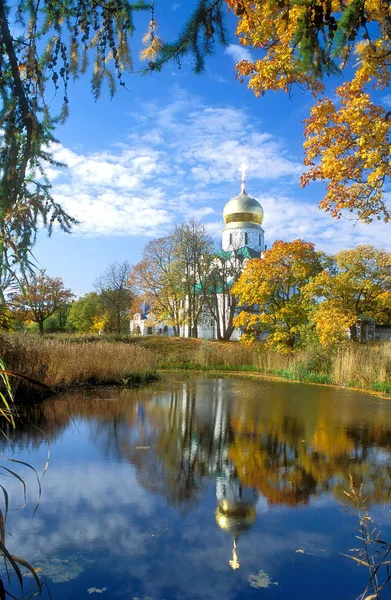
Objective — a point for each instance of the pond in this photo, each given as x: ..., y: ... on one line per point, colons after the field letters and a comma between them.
x: 199, y: 488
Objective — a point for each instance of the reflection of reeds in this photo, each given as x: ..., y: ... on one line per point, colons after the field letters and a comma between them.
x: 12, y: 562
x: 60, y: 364
x: 375, y: 553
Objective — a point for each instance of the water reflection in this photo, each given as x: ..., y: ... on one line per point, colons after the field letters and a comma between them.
x: 280, y: 444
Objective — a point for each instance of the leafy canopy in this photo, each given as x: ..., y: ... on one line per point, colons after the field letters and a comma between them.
x: 41, y: 298
x: 357, y: 285
x: 270, y: 292
x: 347, y: 136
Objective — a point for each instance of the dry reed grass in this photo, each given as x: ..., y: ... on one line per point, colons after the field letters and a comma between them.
x: 61, y: 364
x: 362, y: 364
x: 367, y: 366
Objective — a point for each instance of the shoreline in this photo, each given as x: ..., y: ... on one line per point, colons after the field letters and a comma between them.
x: 267, y: 377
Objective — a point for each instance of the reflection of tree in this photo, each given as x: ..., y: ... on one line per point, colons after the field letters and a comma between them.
x: 290, y: 454
x: 177, y: 440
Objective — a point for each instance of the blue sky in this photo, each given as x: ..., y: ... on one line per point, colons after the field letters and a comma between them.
x: 171, y: 147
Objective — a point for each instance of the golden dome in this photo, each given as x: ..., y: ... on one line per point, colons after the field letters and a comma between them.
x: 235, y: 518
x: 243, y: 209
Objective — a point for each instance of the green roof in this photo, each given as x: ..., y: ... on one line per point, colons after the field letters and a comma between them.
x: 244, y: 252
x: 247, y: 252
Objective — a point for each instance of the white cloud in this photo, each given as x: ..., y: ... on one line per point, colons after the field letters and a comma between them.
x: 387, y: 100
x: 288, y: 218
x: 238, y: 53
x: 176, y: 161
x: 183, y: 159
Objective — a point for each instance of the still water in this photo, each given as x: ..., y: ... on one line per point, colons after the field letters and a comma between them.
x: 199, y: 488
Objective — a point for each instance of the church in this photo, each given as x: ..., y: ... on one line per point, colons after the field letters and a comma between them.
x: 242, y: 239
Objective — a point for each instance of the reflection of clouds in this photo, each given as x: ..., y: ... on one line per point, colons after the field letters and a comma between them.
x: 83, y: 508
x: 96, y: 514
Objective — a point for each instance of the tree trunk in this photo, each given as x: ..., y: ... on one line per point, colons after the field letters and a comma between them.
x: 353, y: 333
x: 218, y: 328
x: 118, y: 322
x: 40, y: 325
x: 227, y: 333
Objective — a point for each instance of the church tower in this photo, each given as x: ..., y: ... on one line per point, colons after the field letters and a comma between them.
x: 243, y: 218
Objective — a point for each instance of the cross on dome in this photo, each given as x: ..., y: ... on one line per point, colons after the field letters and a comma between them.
x: 243, y: 178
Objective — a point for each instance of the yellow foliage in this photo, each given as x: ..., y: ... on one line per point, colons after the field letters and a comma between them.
x: 270, y: 290
x: 356, y: 286
x: 99, y: 323
x: 347, y: 140
x: 152, y: 42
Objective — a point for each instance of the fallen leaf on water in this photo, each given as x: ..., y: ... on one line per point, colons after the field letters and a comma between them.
x: 143, y: 447
x: 37, y: 569
x: 261, y: 580
x: 94, y: 590
x: 300, y: 551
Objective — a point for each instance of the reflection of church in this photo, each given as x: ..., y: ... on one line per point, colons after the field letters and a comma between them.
x: 235, y: 512
x: 242, y: 239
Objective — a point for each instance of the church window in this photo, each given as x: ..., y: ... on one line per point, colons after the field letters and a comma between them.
x: 246, y: 238
x: 260, y: 241
x: 230, y: 239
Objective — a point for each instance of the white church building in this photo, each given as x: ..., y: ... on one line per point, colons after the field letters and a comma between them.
x: 242, y: 236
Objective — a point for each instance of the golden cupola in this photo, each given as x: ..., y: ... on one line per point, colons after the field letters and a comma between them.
x: 242, y: 211
x: 243, y: 217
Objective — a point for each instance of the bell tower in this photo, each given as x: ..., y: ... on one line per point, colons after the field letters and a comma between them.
x: 243, y: 217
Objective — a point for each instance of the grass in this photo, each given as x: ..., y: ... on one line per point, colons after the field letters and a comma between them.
x: 65, y: 360
x: 60, y: 364
x: 292, y: 374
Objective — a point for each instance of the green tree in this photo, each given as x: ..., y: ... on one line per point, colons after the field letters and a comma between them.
x: 83, y: 312
x: 55, y: 43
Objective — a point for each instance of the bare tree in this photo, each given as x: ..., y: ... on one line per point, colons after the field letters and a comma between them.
x: 116, y: 294
x: 222, y: 272
x: 193, y: 247
x: 158, y: 280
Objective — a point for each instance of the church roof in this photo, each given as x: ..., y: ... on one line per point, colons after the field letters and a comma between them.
x: 244, y: 252
x: 243, y: 209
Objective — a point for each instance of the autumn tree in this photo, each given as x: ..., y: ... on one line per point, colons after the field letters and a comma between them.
x: 347, y: 135
x: 357, y: 284
x: 115, y: 294
x: 193, y: 247
x: 270, y: 293
x: 41, y: 298
x: 221, y: 271
x: 158, y: 280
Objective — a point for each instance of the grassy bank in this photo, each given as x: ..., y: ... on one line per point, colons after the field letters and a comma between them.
x: 354, y: 365
x: 62, y: 361
x: 60, y: 364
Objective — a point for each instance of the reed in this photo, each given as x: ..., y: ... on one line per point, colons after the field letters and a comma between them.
x: 66, y: 360
x: 362, y: 365
x: 357, y: 365
x: 60, y: 364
